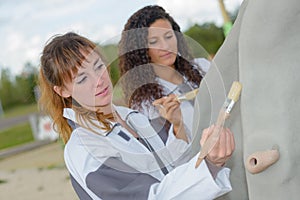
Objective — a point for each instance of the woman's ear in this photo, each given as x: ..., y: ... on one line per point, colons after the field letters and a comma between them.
x: 61, y: 91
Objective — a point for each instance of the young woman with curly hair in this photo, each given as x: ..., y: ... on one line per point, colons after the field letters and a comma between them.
x: 155, y: 62
x: 105, y: 157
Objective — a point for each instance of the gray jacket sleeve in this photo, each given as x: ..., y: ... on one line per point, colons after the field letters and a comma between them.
x: 109, y: 182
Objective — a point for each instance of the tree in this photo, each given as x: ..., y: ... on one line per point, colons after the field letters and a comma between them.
x: 110, y: 52
x: 18, y: 89
x: 6, y: 89
x: 207, y: 35
x: 25, y: 84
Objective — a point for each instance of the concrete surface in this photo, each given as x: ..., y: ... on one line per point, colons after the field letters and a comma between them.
x: 35, y: 174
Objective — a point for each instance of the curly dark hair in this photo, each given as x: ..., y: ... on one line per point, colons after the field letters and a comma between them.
x: 140, y: 84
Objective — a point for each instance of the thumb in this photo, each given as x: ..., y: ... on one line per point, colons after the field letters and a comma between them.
x: 205, y: 134
x: 158, y: 101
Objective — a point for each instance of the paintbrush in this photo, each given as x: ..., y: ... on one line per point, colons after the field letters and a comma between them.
x: 188, y: 96
x: 232, y: 98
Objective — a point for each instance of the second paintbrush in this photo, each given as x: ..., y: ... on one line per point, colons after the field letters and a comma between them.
x: 188, y: 96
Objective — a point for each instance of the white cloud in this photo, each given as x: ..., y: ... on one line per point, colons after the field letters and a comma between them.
x: 25, y: 26
x: 13, y: 42
x: 186, y: 12
x: 33, y: 49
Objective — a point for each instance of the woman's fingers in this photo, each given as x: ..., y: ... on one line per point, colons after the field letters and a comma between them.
x: 205, y: 134
x: 158, y: 101
x: 166, y: 99
x: 223, y: 148
x: 171, y: 106
x: 168, y: 106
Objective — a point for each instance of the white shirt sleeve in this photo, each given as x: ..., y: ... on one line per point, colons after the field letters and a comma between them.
x: 187, y: 182
x: 203, y: 63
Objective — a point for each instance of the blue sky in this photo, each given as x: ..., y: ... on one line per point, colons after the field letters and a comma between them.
x: 26, y: 25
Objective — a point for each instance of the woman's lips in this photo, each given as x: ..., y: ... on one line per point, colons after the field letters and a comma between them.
x: 166, y: 55
x: 103, y: 92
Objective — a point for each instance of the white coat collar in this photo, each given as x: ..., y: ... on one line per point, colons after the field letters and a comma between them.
x: 70, y: 114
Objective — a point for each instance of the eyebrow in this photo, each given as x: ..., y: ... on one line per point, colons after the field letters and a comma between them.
x: 167, y: 32
x: 96, y: 62
x: 82, y: 73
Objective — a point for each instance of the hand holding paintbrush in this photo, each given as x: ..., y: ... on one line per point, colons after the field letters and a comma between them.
x: 169, y: 106
x: 187, y: 96
x: 211, y: 141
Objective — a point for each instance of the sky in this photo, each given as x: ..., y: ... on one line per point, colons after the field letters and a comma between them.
x: 26, y: 25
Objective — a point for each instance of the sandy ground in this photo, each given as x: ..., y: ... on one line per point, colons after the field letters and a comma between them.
x: 36, y: 174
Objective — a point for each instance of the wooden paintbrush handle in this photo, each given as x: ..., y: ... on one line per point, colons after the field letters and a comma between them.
x: 209, y: 144
x: 213, y: 138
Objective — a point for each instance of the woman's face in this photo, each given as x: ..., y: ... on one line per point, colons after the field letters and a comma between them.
x: 91, y: 87
x: 162, y: 43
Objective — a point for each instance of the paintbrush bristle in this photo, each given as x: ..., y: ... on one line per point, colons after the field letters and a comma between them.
x: 235, y: 91
x: 188, y: 96
x: 192, y: 94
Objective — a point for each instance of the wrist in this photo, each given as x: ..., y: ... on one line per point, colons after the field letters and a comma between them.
x: 216, y: 163
x: 213, y: 168
x: 176, y: 128
x: 179, y: 132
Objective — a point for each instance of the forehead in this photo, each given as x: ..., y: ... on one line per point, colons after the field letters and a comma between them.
x: 90, y: 58
x: 159, y: 26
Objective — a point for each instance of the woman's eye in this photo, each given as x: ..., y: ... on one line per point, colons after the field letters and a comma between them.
x: 152, y: 42
x: 169, y: 36
x: 81, y: 80
x: 99, y: 67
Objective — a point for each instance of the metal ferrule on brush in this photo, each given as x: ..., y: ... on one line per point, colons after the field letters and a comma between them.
x: 228, y: 105
x: 229, y: 102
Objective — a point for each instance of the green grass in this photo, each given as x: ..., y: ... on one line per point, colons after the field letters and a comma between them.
x: 16, y: 135
x: 20, y: 110
x: 20, y: 133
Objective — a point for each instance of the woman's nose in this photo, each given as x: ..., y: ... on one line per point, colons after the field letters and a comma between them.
x: 163, y: 45
x: 97, y: 79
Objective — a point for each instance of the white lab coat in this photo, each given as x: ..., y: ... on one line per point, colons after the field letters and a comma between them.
x: 134, y: 172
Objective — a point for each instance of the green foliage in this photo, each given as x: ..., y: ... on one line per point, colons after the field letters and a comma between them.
x: 16, y: 135
x: 111, y: 54
x: 114, y: 71
x: 207, y: 35
x: 18, y: 90
x: 6, y: 89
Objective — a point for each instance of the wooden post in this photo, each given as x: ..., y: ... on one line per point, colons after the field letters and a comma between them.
x: 227, y: 22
